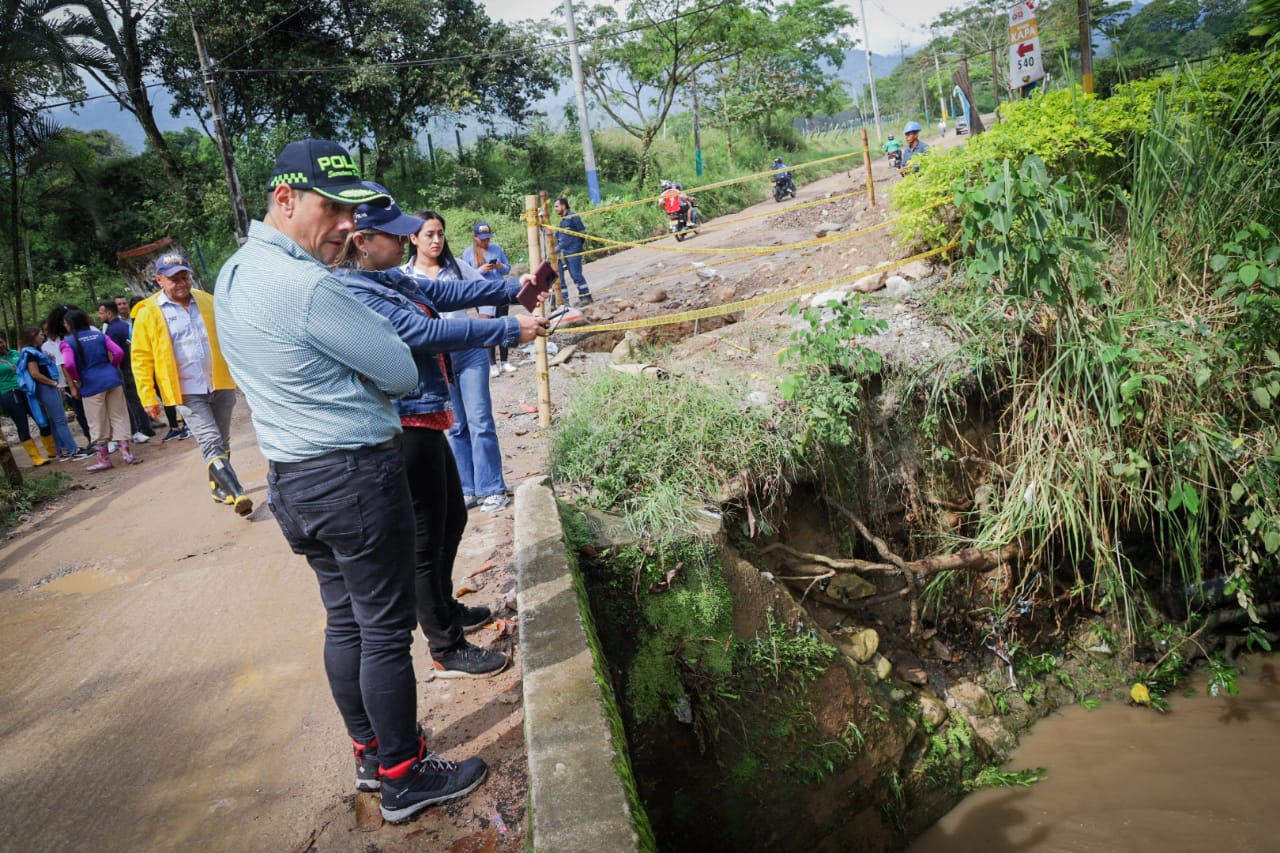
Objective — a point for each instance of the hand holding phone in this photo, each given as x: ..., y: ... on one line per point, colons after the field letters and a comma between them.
x: 532, y: 293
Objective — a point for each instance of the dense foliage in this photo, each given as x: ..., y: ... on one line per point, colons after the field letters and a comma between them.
x: 1123, y: 305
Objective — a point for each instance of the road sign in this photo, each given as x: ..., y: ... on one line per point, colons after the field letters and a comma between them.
x: 1024, y: 45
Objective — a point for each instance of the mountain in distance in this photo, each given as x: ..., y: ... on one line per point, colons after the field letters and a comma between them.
x: 854, y: 69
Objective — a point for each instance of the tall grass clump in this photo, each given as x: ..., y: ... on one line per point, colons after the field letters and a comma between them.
x: 659, y: 450
x: 1132, y: 328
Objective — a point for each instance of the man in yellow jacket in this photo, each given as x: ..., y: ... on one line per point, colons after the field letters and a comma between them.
x: 176, y: 362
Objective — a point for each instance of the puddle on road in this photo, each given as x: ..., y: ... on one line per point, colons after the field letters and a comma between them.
x: 1120, y: 778
x: 85, y: 581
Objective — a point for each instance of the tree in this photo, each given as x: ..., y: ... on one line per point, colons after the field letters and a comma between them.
x: 976, y: 31
x: 117, y: 29
x: 369, y: 70
x: 38, y: 58
x: 273, y: 76
x: 786, y: 67
x: 637, y: 70
x: 473, y: 65
x: 1168, y: 30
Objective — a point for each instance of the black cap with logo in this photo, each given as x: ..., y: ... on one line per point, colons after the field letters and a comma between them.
x: 324, y: 167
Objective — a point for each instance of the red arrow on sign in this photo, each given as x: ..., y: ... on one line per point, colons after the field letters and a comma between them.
x: 1024, y: 49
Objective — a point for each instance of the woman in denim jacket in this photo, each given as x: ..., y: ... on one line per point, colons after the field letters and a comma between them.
x: 413, y: 306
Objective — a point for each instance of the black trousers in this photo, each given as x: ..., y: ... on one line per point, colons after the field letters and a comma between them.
x: 348, y: 513
x: 14, y: 404
x: 439, y: 517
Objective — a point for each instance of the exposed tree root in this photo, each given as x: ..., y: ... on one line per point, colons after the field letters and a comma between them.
x: 886, y: 554
x: 812, y: 581
x: 966, y: 558
x: 831, y: 562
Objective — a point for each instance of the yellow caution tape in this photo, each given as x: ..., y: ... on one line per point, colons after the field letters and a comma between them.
x: 750, y: 252
x: 756, y: 250
x: 767, y: 299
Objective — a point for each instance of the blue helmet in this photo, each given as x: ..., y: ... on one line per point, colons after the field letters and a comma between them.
x: 911, y: 127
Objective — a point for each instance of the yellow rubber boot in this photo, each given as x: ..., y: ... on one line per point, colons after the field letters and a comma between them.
x: 50, y: 449
x: 36, y: 459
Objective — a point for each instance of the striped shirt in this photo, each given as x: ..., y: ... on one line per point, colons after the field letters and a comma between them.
x: 317, y: 366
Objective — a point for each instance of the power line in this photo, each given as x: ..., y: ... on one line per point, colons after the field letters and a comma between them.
x: 79, y: 101
x: 279, y: 23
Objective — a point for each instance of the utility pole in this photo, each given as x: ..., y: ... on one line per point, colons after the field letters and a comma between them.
x: 238, y: 212
x: 924, y: 91
x: 584, y: 122
x: 871, y: 75
x: 1086, y: 47
x: 995, y: 80
x: 697, y: 133
x: 942, y: 98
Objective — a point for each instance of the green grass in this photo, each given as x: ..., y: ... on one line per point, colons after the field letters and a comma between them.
x: 35, y: 490
x: 659, y: 451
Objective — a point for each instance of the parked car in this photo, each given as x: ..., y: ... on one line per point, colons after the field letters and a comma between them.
x: 962, y: 126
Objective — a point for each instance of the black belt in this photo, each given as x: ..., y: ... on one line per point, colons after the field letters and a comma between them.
x: 332, y: 458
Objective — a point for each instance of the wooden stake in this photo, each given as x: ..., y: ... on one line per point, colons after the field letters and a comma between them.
x: 539, y: 343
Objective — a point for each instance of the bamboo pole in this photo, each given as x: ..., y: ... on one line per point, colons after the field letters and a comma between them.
x: 540, y: 342
x: 866, y: 158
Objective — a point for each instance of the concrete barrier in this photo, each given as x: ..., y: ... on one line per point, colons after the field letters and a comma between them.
x: 578, y: 797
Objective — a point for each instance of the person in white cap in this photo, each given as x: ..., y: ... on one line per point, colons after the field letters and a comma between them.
x: 490, y: 260
x: 177, y: 362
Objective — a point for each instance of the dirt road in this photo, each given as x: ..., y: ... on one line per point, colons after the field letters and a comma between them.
x: 162, y: 681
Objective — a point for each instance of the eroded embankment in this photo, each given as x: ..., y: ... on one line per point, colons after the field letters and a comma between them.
x: 829, y: 673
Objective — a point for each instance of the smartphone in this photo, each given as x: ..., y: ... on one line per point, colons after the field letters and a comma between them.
x: 543, y: 277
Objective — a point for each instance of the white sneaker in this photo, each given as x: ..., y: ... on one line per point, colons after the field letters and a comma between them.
x: 493, y: 371
x: 113, y: 446
x: 493, y: 503
x: 141, y: 438
x: 508, y: 367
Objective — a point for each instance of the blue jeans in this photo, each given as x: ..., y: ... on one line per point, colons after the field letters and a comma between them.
x: 349, y: 514
x: 473, y: 436
x: 574, y: 263
x: 51, y: 401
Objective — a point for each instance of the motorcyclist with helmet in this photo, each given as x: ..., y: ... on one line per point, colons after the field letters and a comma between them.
x: 915, y: 147
x: 678, y: 207
x: 782, y: 183
x: 891, y: 149
x: 673, y: 200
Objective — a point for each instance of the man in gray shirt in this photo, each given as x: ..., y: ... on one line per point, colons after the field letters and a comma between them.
x: 319, y: 370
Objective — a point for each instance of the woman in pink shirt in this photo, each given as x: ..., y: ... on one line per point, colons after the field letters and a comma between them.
x: 92, y: 360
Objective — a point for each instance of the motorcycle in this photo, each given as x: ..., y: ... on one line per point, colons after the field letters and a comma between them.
x: 684, y: 221
x: 783, y: 187
x: 895, y: 159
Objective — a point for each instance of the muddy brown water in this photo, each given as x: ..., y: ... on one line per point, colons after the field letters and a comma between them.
x: 1200, y: 777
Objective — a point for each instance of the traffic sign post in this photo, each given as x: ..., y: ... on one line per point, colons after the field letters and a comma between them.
x: 1025, y: 65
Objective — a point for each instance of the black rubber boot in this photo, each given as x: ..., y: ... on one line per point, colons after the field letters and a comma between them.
x: 220, y: 495
x: 221, y: 475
